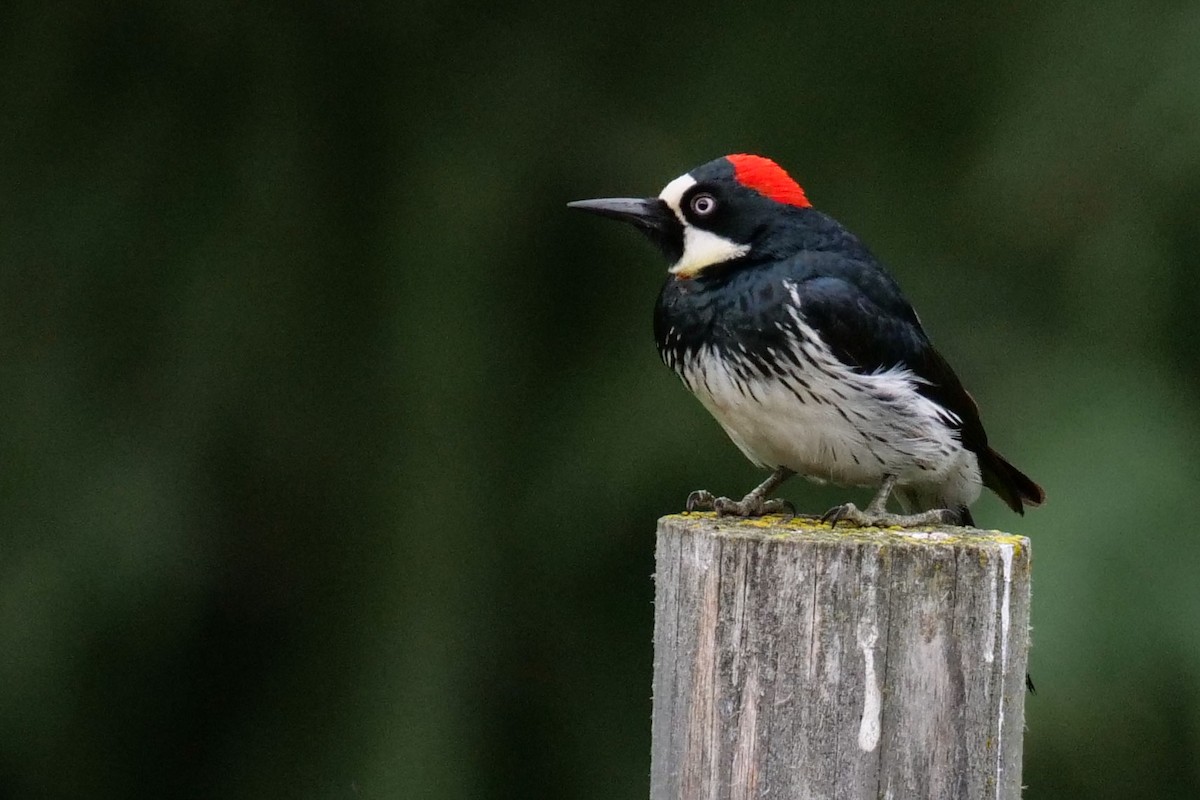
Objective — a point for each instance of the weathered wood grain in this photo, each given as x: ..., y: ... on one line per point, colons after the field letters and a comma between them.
x: 795, y: 662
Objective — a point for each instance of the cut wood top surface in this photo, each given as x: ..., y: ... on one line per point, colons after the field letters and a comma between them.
x: 778, y: 527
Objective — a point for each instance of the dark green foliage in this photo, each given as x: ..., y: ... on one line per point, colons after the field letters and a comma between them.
x: 332, y: 443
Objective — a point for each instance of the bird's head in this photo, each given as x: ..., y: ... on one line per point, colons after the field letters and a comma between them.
x: 714, y: 214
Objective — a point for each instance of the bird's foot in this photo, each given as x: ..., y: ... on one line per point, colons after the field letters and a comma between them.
x: 752, y: 505
x: 882, y: 519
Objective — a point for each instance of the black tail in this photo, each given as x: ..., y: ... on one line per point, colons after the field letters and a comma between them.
x: 1013, y: 486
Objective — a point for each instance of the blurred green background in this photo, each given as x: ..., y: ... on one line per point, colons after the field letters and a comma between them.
x: 332, y: 444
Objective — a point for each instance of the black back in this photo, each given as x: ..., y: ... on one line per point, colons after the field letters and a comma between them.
x: 846, y: 296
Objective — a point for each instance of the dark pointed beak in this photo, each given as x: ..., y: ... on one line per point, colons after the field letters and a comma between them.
x: 650, y: 214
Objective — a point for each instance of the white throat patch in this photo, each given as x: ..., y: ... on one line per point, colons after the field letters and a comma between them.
x: 701, y: 248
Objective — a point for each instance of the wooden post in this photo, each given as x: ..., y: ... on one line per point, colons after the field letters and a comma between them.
x: 794, y: 662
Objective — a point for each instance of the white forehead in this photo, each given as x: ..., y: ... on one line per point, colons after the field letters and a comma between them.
x: 672, y: 194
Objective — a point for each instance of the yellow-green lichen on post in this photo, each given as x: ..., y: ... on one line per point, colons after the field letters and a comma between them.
x: 795, y: 527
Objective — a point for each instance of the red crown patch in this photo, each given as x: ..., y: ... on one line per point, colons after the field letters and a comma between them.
x: 768, y: 179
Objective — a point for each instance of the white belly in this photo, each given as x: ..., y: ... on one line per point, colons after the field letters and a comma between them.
x: 833, y: 424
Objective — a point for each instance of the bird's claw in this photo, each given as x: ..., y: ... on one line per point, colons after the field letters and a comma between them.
x: 749, y: 506
x: 871, y: 519
x: 847, y: 511
x: 780, y: 506
x: 700, y: 500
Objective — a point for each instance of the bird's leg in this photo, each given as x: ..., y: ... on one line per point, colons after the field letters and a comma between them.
x: 876, y: 514
x: 878, y: 504
x: 754, y: 504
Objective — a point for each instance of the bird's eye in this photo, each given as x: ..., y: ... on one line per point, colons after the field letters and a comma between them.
x: 704, y: 204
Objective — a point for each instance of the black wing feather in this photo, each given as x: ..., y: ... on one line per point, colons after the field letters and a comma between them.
x: 866, y: 322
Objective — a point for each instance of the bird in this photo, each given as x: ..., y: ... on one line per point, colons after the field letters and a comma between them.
x: 801, y: 344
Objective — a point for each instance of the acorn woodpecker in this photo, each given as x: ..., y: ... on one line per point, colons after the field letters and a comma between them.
x: 794, y: 336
